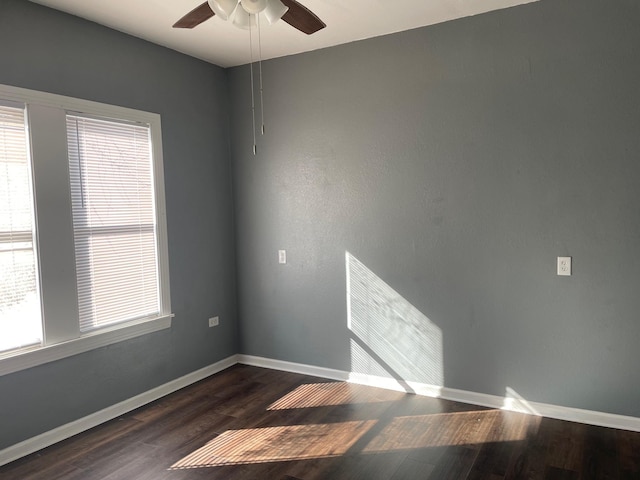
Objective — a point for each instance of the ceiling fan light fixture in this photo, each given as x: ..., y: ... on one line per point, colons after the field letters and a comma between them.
x: 253, y: 7
x: 242, y: 19
x: 223, y: 8
x: 274, y: 11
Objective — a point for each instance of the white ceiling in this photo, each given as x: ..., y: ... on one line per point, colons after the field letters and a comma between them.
x: 220, y: 43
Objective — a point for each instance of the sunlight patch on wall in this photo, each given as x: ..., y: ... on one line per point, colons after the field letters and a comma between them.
x: 389, y: 336
x: 361, y: 358
x: 277, y: 444
x: 514, y: 402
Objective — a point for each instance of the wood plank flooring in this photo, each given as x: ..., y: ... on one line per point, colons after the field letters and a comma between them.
x: 253, y: 423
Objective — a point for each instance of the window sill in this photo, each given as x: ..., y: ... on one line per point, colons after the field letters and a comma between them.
x: 30, y: 357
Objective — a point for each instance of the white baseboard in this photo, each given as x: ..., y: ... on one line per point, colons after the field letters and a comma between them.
x: 512, y: 402
x: 293, y: 367
x: 63, y: 432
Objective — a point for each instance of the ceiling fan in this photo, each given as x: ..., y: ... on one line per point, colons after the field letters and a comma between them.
x: 243, y: 12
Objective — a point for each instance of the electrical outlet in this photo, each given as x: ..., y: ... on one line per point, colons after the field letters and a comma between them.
x: 214, y: 321
x: 282, y: 256
x: 564, y: 266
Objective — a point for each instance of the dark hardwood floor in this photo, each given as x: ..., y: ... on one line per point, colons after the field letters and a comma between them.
x: 253, y: 423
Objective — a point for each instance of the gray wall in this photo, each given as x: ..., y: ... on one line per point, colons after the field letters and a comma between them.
x: 444, y: 169
x: 454, y: 164
x: 49, y: 51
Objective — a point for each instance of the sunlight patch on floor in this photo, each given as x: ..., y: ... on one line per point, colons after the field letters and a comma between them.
x: 446, y: 429
x: 404, y: 433
x: 332, y: 393
x: 277, y: 444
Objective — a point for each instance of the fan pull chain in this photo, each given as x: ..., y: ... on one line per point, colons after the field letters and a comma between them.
x: 253, y: 103
x: 260, y: 71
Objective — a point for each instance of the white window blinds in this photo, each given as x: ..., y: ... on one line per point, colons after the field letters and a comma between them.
x: 114, y: 219
x: 20, y: 318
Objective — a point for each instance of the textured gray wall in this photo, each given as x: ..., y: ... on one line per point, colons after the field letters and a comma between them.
x: 49, y: 51
x: 454, y: 163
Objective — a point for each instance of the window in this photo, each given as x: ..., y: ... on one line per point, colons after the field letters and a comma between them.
x: 20, y: 319
x: 83, y: 250
x: 114, y: 224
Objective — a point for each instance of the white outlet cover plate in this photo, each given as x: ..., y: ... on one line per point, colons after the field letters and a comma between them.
x: 564, y: 266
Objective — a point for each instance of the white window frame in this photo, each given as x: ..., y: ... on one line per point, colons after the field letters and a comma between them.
x: 47, y: 132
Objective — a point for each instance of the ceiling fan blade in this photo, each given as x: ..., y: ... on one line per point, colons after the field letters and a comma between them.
x: 195, y: 17
x: 300, y: 17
